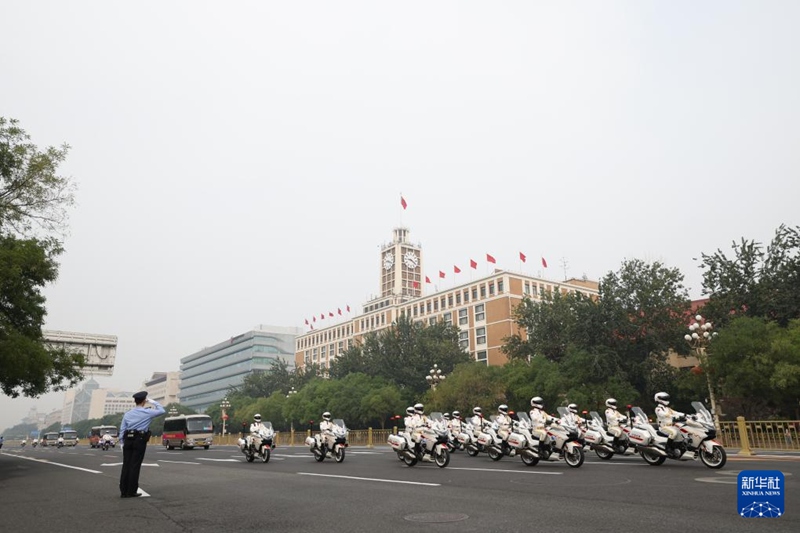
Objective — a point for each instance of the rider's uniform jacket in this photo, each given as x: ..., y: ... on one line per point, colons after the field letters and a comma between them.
x: 477, y: 422
x: 256, y: 428
x: 455, y: 426
x: 573, y: 419
x: 326, y: 426
x: 614, y: 417
x: 503, y: 421
x: 666, y: 415
x: 538, y: 417
x: 410, y: 422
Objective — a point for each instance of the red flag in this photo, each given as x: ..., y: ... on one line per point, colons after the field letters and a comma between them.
x: 441, y: 274
x: 348, y: 308
x: 473, y: 264
x: 427, y: 279
x: 340, y: 310
x: 314, y: 319
x: 456, y: 269
x: 322, y: 316
x: 330, y: 313
x: 312, y: 326
x: 416, y: 284
x: 306, y: 321
x: 522, y: 257
x: 403, y: 202
x: 490, y: 259
x: 544, y: 263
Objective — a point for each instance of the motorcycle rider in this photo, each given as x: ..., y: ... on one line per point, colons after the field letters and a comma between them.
x: 572, y: 417
x: 539, y: 418
x: 410, y: 423
x: 614, y: 419
x: 107, y: 439
x: 476, y: 420
x: 255, y: 431
x: 503, y: 421
x: 455, y: 423
x: 326, y: 431
x: 23, y: 442
x: 420, y: 423
x: 667, y: 417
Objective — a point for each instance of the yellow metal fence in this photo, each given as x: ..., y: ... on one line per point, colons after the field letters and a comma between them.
x: 761, y: 434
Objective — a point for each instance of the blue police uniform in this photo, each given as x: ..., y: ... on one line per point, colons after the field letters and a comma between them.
x: 135, y: 433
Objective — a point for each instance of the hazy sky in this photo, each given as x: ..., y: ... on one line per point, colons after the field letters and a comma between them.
x: 240, y: 163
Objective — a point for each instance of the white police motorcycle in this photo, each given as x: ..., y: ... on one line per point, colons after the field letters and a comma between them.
x: 319, y: 444
x: 258, y: 445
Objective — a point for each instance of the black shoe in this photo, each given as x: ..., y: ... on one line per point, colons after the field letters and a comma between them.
x: 135, y: 495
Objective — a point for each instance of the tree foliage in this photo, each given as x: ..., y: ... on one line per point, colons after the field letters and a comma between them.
x: 755, y: 282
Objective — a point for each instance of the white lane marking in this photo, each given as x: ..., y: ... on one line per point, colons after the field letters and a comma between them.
x: 57, y: 464
x: 219, y: 460
x: 177, y: 462
x: 120, y: 464
x: 372, y: 479
x: 143, y: 493
x: 511, y: 471
x: 612, y: 463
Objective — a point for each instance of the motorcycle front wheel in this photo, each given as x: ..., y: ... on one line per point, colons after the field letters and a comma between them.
x: 265, y: 453
x: 494, y: 454
x: 472, y: 451
x: 442, y: 458
x: 339, y: 454
x: 574, y: 458
x: 250, y: 456
x: 716, y: 459
x: 319, y: 455
x: 529, y: 460
x: 653, y: 459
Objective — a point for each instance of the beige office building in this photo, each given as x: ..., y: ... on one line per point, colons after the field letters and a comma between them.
x: 482, y: 309
x: 163, y: 387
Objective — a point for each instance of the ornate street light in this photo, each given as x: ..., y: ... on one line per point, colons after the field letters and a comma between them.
x: 435, y: 376
x: 173, y: 411
x: 699, y: 337
x: 224, y: 406
x: 291, y: 393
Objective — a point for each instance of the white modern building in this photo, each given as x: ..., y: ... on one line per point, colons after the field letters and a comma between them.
x: 163, y: 387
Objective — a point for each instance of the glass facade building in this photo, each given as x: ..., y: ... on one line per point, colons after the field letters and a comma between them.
x: 206, y: 376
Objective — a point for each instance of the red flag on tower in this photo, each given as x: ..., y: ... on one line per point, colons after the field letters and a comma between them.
x: 427, y: 279
x: 322, y: 316
x: 348, y: 308
x: 403, y: 202
x: 441, y: 274
x: 340, y: 310
x: 544, y: 263
x: 473, y: 264
x: 314, y: 318
x: 416, y: 284
x: 490, y: 259
x: 306, y: 322
x: 456, y: 269
x: 522, y: 257
x: 330, y: 313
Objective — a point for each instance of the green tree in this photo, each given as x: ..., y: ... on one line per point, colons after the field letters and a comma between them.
x: 277, y: 378
x: 33, y: 202
x: 755, y: 282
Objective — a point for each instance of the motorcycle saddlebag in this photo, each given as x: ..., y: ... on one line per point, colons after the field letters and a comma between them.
x: 310, y: 442
x: 397, y: 442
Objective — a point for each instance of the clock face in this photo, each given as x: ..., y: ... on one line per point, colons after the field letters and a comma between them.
x: 411, y: 260
x: 388, y: 261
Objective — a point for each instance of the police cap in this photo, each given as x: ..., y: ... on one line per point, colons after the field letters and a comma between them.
x: 140, y: 396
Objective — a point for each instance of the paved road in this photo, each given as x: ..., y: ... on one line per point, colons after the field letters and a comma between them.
x: 216, y: 490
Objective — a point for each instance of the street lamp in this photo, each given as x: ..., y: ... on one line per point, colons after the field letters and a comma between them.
x: 699, y: 337
x: 173, y: 411
x: 224, y: 405
x: 291, y: 393
x: 435, y: 376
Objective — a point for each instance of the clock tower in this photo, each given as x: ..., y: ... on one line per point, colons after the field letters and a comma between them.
x: 401, y: 267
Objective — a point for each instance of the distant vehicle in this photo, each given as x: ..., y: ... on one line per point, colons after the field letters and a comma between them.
x: 50, y: 439
x: 97, y: 433
x: 70, y: 437
x: 187, y: 432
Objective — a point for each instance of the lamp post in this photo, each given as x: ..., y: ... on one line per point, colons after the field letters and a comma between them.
x: 291, y: 393
x: 173, y: 411
x: 224, y: 405
x: 435, y: 376
x: 699, y: 337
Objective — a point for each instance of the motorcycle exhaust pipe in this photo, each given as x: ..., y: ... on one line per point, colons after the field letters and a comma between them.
x: 659, y: 451
x: 409, y: 454
x: 529, y: 453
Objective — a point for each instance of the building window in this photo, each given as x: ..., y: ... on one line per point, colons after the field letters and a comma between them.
x: 491, y: 289
x: 466, y: 295
x: 435, y: 305
x: 458, y: 298
x: 500, y: 286
x: 428, y: 307
x: 480, y: 335
x: 449, y: 300
x: 432, y: 321
x: 463, y: 320
x: 448, y: 318
x: 474, y: 293
x: 463, y: 340
x: 415, y: 310
x: 480, y: 313
x: 483, y: 291
x: 481, y: 357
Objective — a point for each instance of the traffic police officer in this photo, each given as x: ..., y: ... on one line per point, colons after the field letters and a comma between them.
x: 135, y: 433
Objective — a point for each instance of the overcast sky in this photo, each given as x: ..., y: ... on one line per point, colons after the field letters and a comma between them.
x: 240, y: 163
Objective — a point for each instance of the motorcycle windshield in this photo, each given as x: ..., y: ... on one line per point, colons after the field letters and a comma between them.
x: 340, y: 429
x: 702, y: 413
x: 563, y: 422
x: 524, y: 418
x: 596, y: 420
x: 639, y: 418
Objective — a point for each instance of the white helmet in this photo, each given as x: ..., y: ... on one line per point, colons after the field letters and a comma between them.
x: 503, y: 409
x: 456, y: 414
x: 410, y: 411
x: 476, y: 411
x: 326, y: 415
x: 257, y: 417
x: 419, y: 408
x: 573, y: 408
x: 537, y: 402
x: 612, y: 403
x: 662, y: 398
x: 446, y: 416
